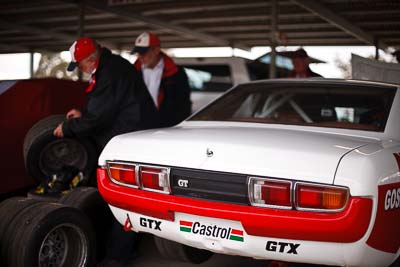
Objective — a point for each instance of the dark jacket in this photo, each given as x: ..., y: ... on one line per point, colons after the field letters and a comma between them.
x: 174, y: 93
x: 117, y: 102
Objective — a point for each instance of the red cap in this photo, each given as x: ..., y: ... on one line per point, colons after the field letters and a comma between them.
x: 81, y: 49
x: 145, y: 41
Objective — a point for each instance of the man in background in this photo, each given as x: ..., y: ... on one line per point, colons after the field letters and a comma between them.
x: 301, y: 69
x: 166, y: 82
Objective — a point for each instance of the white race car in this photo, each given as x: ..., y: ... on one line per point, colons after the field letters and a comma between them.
x: 291, y: 170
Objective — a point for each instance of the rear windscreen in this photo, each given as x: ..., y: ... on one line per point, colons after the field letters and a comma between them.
x: 338, y: 106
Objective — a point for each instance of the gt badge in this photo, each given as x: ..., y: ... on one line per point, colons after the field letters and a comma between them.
x: 183, y: 183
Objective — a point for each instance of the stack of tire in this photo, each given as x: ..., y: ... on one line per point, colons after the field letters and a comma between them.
x: 39, y: 233
x: 47, y: 231
x: 34, y: 232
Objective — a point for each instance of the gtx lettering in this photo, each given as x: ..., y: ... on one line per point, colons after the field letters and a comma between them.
x: 149, y: 223
x: 280, y: 247
x: 392, y: 199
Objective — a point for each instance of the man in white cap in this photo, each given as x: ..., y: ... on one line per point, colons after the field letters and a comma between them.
x: 117, y: 102
x: 166, y: 82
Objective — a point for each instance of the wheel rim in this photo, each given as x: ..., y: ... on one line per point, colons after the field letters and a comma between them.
x: 64, y: 245
x: 60, y: 153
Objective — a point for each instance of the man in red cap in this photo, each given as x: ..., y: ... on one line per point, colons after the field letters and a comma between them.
x: 166, y: 82
x: 117, y: 102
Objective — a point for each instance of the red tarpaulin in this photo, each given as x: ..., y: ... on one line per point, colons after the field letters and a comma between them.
x: 22, y: 104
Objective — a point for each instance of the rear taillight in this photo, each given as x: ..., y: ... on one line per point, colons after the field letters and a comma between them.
x: 155, y: 179
x: 123, y: 173
x: 285, y: 194
x: 270, y: 193
x: 151, y: 178
x: 320, y: 197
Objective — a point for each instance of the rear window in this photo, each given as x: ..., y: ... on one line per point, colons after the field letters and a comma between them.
x: 210, y: 78
x: 338, y: 106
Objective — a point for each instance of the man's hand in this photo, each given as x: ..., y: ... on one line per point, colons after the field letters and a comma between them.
x: 74, y: 113
x: 58, y: 132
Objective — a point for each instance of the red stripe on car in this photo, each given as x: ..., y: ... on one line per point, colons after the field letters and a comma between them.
x: 346, y: 226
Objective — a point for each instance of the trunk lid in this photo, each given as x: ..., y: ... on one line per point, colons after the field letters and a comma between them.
x: 271, y: 152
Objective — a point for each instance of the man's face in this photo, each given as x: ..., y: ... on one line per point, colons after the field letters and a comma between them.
x: 87, y: 65
x: 300, y: 64
x: 150, y: 58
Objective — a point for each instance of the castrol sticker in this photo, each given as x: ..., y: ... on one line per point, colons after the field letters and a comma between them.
x: 216, y: 231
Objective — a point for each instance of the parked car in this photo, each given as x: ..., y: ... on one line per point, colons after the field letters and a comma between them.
x: 292, y: 170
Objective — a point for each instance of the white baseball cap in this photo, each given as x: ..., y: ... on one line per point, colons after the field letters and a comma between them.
x: 145, y: 41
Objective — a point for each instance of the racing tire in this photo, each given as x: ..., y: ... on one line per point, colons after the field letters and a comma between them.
x: 90, y: 202
x: 9, y: 212
x: 44, y: 197
x: 52, y: 235
x: 45, y: 154
x: 176, y: 251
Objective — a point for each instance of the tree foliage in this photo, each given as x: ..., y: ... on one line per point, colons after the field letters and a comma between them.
x: 53, y: 65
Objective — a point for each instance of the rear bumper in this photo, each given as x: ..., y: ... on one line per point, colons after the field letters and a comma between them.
x: 347, y: 226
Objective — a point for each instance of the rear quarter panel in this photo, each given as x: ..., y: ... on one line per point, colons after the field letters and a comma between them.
x: 373, y: 171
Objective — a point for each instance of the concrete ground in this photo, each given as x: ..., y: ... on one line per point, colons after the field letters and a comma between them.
x: 150, y: 257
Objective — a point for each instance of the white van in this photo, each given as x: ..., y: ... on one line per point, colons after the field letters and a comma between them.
x: 210, y: 77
